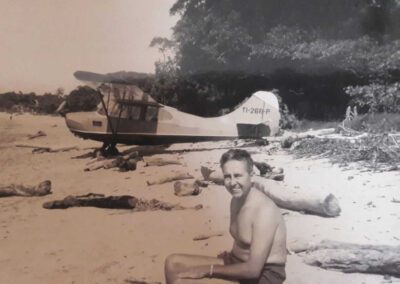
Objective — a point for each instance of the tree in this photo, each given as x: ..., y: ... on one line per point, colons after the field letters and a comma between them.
x: 333, y: 44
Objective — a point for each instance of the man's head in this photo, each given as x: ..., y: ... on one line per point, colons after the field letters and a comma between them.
x: 237, y: 168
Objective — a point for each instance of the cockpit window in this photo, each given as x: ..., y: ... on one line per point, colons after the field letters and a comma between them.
x: 151, y: 113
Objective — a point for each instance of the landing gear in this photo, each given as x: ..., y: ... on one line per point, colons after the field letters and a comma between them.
x: 109, y: 149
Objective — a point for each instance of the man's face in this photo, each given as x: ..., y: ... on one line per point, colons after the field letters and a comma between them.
x: 237, y: 179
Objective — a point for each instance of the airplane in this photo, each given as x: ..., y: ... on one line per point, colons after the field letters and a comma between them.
x: 127, y: 115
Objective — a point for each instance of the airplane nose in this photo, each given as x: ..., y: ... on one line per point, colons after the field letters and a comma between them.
x: 71, y: 121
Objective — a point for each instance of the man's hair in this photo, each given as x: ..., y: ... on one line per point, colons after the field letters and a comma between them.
x: 237, y: 155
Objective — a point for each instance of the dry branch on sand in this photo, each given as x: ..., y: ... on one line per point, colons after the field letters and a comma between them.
x: 41, y: 149
x: 134, y: 281
x: 124, y: 163
x: 351, y: 258
x: 40, y: 133
x: 322, y: 205
x: 171, y: 177
x: 114, y: 202
x: 376, y: 151
x: 157, y: 161
x: 202, y: 237
x: 41, y: 189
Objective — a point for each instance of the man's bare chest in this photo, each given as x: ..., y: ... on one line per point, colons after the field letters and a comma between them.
x: 240, y: 228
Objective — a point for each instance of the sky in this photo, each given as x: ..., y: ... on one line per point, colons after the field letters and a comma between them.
x: 43, y: 42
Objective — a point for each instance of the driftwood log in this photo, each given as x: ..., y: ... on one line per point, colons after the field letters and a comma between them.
x: 124, y: 163
x: 216, y: 176
x: 322, y: 205
x: 114, y: 202
x: 157, y: 161
x: 42, y: 149
x: 202, y: 237
x: 350, y: 258
x: 287, y: 140
x: 186, y: 189
x: 40, y: 133
x: 172, y: 177
x: 41, y: 189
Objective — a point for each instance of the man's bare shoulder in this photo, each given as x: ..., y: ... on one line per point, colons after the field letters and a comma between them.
x: 262, y: 203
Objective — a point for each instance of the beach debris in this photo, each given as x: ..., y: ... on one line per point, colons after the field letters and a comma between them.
x: 114, y: 202
x: 217, y: 177
x: 172, y: 177
x: 288, y: 140
x: 394, y: 200
x: 40, y: 133
x: 263, y: 167
x: 377, y: 152
x: 212, y: 175
x: 354, y: 258
x: 270, y: 172
x: 158, y: 161
x: 207, y: 236
x: 124, y: 163
x: 134, y: 281
x: 186, y: 189
x: 42, y: 149
x: 41, y: 189
x: 321, y: 205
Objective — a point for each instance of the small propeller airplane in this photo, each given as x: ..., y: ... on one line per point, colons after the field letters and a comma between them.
x: 130, y: 116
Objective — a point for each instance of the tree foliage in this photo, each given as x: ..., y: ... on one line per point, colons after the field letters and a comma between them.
x: 83, y: 98
x: 316, y: 52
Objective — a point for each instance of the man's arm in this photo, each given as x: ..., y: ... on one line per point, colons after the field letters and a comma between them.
x: 265, y: 223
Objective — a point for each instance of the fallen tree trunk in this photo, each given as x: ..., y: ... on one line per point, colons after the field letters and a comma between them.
x: 172, y: 177
x: 40, y: 149
x: 217, y: 177
x: 40, y: 133
x: 157, y: 161
x: 124, y: 163
x: 207, y: 236
x: 323, y: 205
x: 41, y: 189
x: 326, y: 205
x: 351, y: 258
x: 114, y: 202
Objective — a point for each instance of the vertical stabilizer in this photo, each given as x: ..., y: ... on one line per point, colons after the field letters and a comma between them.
x: 258, y: 116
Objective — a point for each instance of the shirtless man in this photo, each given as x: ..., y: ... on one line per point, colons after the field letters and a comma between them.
x: 258, y: 254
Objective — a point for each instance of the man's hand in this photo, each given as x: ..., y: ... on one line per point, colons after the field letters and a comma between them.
x: 225, y: 256
x: 198, y: 272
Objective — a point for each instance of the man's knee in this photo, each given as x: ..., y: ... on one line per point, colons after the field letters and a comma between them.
x: 173, y: 262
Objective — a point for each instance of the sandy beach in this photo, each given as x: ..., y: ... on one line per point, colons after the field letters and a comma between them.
x: 93, y: 245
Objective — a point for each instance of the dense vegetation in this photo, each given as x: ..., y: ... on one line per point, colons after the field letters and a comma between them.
x: 320, y: 55
x: 81, y: 99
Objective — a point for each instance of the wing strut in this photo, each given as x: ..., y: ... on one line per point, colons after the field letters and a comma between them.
x: 109, y: 148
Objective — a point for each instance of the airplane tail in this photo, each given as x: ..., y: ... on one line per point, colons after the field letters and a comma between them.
x: 258, y: 116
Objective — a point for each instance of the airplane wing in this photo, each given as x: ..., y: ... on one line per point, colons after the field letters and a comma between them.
x: 128, y: 78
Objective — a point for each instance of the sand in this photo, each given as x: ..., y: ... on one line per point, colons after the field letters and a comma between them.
x: 92, y: 245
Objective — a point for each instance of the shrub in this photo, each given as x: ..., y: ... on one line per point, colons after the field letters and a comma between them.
x: 83, y: 98
x: 48, y: 103
x: 376, y: 97
x: 376, y: 122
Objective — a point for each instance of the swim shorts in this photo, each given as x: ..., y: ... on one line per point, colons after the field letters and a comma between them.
x: 272, y: 273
